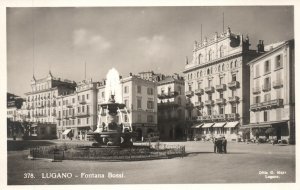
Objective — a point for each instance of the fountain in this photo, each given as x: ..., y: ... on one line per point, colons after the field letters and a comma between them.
x: 112, y: 131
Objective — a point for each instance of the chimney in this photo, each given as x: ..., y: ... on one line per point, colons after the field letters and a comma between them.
x: 260, y: 46
x: 130, y: 74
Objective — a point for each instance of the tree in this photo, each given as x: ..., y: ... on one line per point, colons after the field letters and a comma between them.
x: 270, y: 131
x: 256, y: 133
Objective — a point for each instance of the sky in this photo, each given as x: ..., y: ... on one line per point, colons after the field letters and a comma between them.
x: 130, y: 39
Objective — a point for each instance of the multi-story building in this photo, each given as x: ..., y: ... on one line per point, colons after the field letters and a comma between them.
x: 14, y: 104
x: 150, y: 75
x: 171, y: 108
x: 140, y: 98
x: 217, y: 84
x: 272, y: 96
x: 41, y: 102
x: 77, y: 112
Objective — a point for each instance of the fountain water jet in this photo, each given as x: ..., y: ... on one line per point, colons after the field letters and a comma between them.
x: 112, y: 132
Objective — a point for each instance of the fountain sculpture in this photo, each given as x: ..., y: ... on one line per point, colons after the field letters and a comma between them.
x: 112, y: 131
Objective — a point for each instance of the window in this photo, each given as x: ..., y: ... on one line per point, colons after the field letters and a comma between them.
x: 266, y: 116
x: 208, y: 71
x: 150, y: 119
x: 278, y: 61
x: 102, y: 94
x: 73, y: 100
x: 82, y: 108
x: 179, y: 90
x: 233, y: 108
x: 78, y: 121
x: 209, y: 96
x: 82, y: 97
x: 233, y: 77
x: 257, y: 99
x: 209, y: 82
x: 210, y: 53
x: 64, y: 112
x: 221, y: 51
x: 190, y: 87
x: 78, y: 110
x: 221, y: 80
x: 139, y: 118
x: 59, y: 115
x: 199, y: 59
x: 267, y: 97
x: 139, y: 103
x: 267, y: 66
x: 126, y: 103
x: 233, y: 92
x: 179, y: 100
x: 199, y: 98
x: 87, y: 109
x: 150, y: 91
x: 223, y: 67
x: 125, y: 118
x: 126, y: 90
x: 150, y: 104
x: 139, y: 89
x: 78, y: 98
x: 87, y: 120
x: 267, y: 83
x: 199, y: 85
x: 208, y: 110
x: 221, y: 109
x: 87, y: 96
x: 221, y: 94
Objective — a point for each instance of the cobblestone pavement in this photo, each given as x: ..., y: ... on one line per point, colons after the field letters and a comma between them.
x: 244, y: 163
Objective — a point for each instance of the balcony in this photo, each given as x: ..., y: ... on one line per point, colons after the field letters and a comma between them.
x: 233, y: 84
x: 65, y: 117
x: 58, y: 118
x: 199, y: 91
x: 220, y: 101
x: 266, y: 87
x: 69, y: 105
x: 221, y: 87
x: 53, y: 114
x: 81, y: 101
x: 199, y: 104
x: 209, y: 102
x: 204, y: 118
x: 167, y: 95
x: 232, y: 116
x: 53, y: 104
x: 233, y: 99
x: 40, y: 115
x: 219, y: 117
x: 209, y: 89
x: 39, y: 106
x: 166, y: 104
x: 256, y: 90
x: 277, y: 84
x: 82, y: 114
x: 189, y: 93
x: 267, y: 105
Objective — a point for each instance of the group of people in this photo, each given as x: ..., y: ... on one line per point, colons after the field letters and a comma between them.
x: 220, y: 145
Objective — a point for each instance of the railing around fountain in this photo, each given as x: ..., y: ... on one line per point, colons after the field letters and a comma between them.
x: 141, y: 151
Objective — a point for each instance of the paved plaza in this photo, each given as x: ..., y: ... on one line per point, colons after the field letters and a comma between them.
x: 244, y: 163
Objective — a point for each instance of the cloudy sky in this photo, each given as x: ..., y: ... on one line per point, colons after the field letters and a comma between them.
x: 129, y: 39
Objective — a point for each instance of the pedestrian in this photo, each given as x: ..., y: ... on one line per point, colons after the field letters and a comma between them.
x: 215, y: 144
x: 224, y: 145
x: 219, y: 145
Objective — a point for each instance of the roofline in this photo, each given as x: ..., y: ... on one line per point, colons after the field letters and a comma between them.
x: 271, y: 51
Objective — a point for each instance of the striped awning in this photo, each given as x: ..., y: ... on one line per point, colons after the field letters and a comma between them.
x: 197, y: 126
x: 219, y: 124
x: 207, y: 125
x: 66, y: 131
x: 231, y: 124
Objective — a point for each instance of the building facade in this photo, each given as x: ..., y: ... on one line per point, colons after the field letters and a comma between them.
x: 140, y: 98
x: 41, y: 102
x: 77, y: 112
x: 272, y: 96
x: 217, y: 85
x: 171, y: 108
x: 13, y: 105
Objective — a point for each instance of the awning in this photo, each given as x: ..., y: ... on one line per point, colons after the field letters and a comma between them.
x: 219, y: 124
x: 265, y: 124
x: 66, y: 131
x: 231, y: 124
x: 197, y: 126
x: 207, y: 125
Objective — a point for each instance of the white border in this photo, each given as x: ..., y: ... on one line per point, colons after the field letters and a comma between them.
x: 128, y: 3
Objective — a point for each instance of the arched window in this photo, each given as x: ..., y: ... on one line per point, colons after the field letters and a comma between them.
x: 210, y: 55
x: 231, y: 64
x: 199, y: 59
x: 208, y: 71
x: 235, y: 63
x: 222, y: 51
x: 223, y: 67
x: 219, y: 67
x: 200, y: 73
